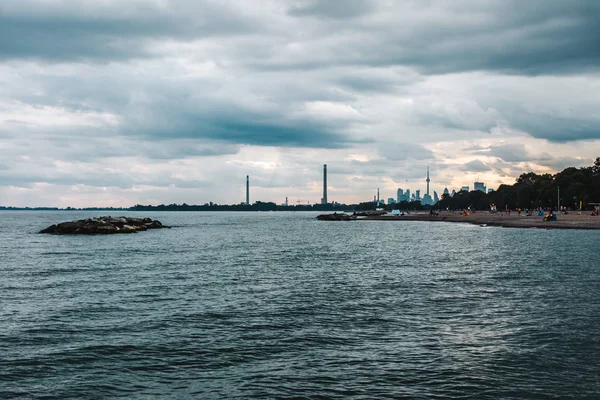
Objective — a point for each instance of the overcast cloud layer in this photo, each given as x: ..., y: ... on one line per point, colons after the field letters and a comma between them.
x: 113, y: 103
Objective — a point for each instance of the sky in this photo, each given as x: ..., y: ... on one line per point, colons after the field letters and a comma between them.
x: 123, y: 102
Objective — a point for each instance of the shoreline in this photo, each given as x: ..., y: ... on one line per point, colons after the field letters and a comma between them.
x: 569, y: 221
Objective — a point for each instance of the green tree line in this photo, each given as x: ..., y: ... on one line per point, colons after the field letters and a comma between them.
x: 567, y: 188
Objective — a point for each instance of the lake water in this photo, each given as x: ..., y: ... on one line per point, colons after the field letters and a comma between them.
x: 279, y: 305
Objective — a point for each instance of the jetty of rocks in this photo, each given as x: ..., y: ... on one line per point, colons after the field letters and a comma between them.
x: 336, y: 217
x: 104, y: 225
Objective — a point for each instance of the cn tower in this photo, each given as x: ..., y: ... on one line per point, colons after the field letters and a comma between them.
x: 427, y: 180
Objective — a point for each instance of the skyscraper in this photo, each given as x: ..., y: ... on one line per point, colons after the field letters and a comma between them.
x: 399, y: 195
x: 324, y: 199
x: 479, y: 186
x: 435, y: 197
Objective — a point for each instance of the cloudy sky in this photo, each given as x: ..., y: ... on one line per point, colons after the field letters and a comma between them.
x: 118, y: 102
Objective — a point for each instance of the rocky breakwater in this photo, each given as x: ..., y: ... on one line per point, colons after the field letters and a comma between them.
x: 336, y: 217
x: 104, y: 225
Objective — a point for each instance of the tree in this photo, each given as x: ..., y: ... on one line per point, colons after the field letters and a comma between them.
x: 596, y: 167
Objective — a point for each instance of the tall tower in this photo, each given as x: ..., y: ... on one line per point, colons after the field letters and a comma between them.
x: 247, y: 190
x: 324, y: 199
x: 377, y: 196
x: 427, y: 180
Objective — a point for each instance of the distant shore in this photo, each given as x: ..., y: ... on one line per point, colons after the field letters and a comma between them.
x: 512, y: 220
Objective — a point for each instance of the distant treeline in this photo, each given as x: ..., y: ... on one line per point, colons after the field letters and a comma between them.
x: 532, y: 191
x: 258, y: 206
x: 64, y: 209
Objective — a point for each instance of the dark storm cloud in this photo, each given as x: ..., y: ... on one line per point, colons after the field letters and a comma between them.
x: 562, y: 42
x: 241, y: 126
x: 434, y: 37
x: 89, y: 31
x: 557, y: 129
x: 367, y: 83
x: 437, y: 37
x: 377, y: 80
x: 332, y: 9
x: 155, y: 150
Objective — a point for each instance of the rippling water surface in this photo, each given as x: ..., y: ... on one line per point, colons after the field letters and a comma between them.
x: 279, y: 305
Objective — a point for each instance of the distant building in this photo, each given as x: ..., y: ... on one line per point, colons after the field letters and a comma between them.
x: 391, y: 200
x: 407, y: 195
x: 435, y: 197
x: 479, y: 186
x: 427, y: 200
x: 445, y: 191
x: 324, y: 198
x: 490, y: 190
x: 465, y: 188
x: 418, y: 195
x: 247, y: 190
x: 453, y: 193
x: 399, y: 195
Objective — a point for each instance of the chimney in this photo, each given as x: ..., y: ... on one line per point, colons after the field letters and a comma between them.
x: 324, y: 200
x: 247, y: 190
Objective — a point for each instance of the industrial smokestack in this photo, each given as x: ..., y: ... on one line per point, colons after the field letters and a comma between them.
x: 324, y: 200
x: 247, y: 190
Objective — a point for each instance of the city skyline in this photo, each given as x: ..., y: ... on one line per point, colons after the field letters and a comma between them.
x: 106, y: 103
x: 402, y: 194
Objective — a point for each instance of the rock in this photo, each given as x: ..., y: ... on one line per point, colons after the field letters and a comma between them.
x: 336, y: 217
x: 370, y: 213
x: 103, y: 225
x: 153, y: 225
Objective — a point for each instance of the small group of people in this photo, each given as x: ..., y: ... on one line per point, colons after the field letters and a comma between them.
x: 551, y: 216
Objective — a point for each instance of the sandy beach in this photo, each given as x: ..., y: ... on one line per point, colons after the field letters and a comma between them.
x: 514, y: 220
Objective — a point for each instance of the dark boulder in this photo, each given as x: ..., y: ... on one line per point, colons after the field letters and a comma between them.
x: 370, y: 213
x: 103, y: 226
x: 336, y: 217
